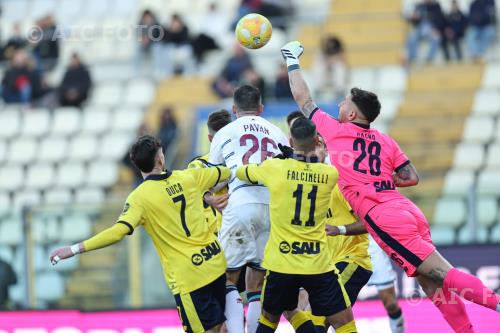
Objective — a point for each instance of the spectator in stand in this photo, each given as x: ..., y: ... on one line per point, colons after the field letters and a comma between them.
x: 429, y: 23
x: 178, y: 48
x: 46, y: 50
x: 8, y: 278
x: 150, y: 34
x: 213, y: 26
x: 331, y: 70
x: 247, y: 7
x: 457, y: 24
x: 281, y: 85
x: 21, y: 83
x: 76, y: 83
x: 15, y: 42
x: 277, y: 12
x: 251, y: 77
x: 482, y: 22
x: 232, y: 73
x: 168, y: 128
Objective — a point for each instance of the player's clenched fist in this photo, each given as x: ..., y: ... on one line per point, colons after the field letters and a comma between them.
x: 64, y: 253
x: 291, y: 52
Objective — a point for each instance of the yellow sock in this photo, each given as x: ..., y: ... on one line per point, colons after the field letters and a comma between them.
x: 347, y: 328
x: 264, y: 321
x: 318, y: 320
x: 298, y: 319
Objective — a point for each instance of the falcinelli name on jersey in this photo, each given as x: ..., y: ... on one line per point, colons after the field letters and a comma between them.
x: 255, y: 128
x: 207, y: 253
x: 309, y: 177
x: 300, y: 247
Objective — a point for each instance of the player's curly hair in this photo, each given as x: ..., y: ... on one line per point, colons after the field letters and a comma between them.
x: 218, y: 119
x: 143, y: 152
x: 367, y: 102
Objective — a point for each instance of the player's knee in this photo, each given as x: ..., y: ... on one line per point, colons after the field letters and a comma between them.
x: 391, y: 306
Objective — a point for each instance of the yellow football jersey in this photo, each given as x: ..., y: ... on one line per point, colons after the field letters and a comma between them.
x: 170, y: 208
x: 299, y: 197
x: 346, y: 248
x: 212, y: 216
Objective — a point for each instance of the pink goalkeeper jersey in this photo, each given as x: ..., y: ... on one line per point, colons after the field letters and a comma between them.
x: 365, y: 158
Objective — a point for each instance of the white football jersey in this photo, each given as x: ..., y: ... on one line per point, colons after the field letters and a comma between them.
x: 248, y: 139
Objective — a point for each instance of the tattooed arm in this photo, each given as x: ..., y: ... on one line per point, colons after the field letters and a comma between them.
x: 406, y: 176
x: 301, y: 93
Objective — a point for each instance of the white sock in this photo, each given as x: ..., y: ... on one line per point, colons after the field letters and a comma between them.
x: 397, y: 324
x: 235, y: 315
x: 253, y: 312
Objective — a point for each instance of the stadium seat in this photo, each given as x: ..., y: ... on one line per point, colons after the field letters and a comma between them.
x: 458, y: 182
x: 68, y: 11
x: 442, y: 234
x: 95, y: 9
x: 487, y: 101
x: 493, y: 157
x: 95, y: 120
x: 102, y: 73
x: 469, y: 156
x: 75, y: 228
x: 6, y: 253
x: 390, y: 105
x: 11, y: 231
x: 52, y: 229
x: 450, y: 212
x: 124, y: 8
x: 3, y: 151
x: 364, y: 78
x: 127, y: 119
x: 83, y: 148
x: 495, y: 234
x: 10, y: 123
x: 392, y: 79
x: 53, y: 149
x: 491, y: 76
x: 15, y: 10
x: 89, y: 195
x: 107, y: 94
x: 487, y: 210
x: 4, y: 203
x: 41, y: 8
x: 57, y: 196
x: 489, y: 182
x: 70, y: 175
x: 49, y: 286
x: 22, y: 151
x: 139, y: 92
x: 67, y: 121
x: 26, y: 198
x: 102, y: 173
x: 114, y: 146
x: 11, y: 177
x: 36, y: 123
x: 40, y: 176
x: 17, y: 292
x: 479, y: 129
x: 465, y: 235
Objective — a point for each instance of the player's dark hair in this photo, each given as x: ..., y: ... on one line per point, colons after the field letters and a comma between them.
x: 294, y: 115
x: 218, y: 119
x: 367, y: 102
x: 303, y: 131
x: 247, y: 98
x: 143, y: 152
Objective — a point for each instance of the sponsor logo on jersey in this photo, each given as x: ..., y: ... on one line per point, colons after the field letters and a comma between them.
x: 207, y: 253
x: 384, y: 185
x: 300, y: 247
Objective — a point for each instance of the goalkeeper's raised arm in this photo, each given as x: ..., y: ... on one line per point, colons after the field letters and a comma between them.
x: 300, y: 91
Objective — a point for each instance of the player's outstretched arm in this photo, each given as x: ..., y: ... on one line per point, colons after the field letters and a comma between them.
x: 356, y: 228
x: 105, y: 238
x: 300, y: 91
x: 406, y: 176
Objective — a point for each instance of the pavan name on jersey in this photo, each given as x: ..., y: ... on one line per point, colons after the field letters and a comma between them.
x: 255, y: 128
x: 307, y: 177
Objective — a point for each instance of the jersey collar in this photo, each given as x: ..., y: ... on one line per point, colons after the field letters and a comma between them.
x: 304, y: 158
x: 365, y: 126
x: 162, y: 176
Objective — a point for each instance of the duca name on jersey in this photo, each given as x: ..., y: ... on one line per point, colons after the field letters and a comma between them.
x: 174, y: 189
x: 255, y: 128
x: 300, y: 247
x: 207, y: 253
x: 307, y: 177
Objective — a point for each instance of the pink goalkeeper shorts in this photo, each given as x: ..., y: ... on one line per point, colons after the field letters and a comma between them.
x: 400, y: 228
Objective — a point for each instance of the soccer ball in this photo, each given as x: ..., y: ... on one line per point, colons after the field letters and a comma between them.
x: 253, y: 31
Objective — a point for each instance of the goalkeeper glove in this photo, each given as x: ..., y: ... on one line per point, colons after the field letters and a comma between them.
x: 286, y: 152
x: 291, y: 52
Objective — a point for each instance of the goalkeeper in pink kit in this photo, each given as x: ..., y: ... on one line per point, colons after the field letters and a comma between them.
x: 371, y: 166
